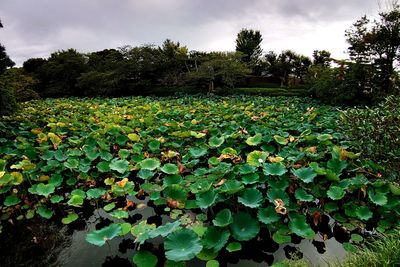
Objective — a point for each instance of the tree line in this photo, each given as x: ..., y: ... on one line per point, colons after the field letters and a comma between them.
x: 369, y: 74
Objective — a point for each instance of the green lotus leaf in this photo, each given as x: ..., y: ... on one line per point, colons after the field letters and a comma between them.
x: 216, y: 141
x: 229, y: 150
x: 11, y: 200
x: 201, y: 186
x: 91, y: 153
x: 45, y: 212
x: 335, y: 192
x: 356, y: 238
x: 154, y: 145
x: 45, y: 189
x: 212, y: 263
x: 134, y: 137
x: 223, y: 218
x: 145, y: 258
x: 307, y: 175
x: 56, y: 199
x: 364, y: 213
x: 60, y: 156
x: 244, y: 226
x: 213, y: 161
x: 197, y: 135
x: 169, y: 263
x: 142, y: 231
x: 233, y: 246
x: 150, y: 164
x: 99, y: 237
x: 254, y: 140
x: 215, y: 238
x: 302, y: 195
x: 145, y: 174
x: 70, y: 218
x: 256, y: 158
x: 275, y: 193
x: 231, y: 187
x: 119, y: 214
x: 75, y: 201
x: 103, y: 166
x: 170, y: 168
x: 250, y: 197
x: 324, y: 137
x: 78, y: 192
x: 206, y: 199
x: 165, y: 229
x: 281, y: 238
x: 300, y: 227
x: 71, y: 163
x: 182, y: 245
x: 337, y: 166
x: 120, y: 165
x: 176, y: 192
x: 378, y: 198
x: 268, y: 215
x: 125, y: 228
x: 247, y: 169
x: 394, y: 188
x: 280, y: 140
x: 251, y: 178
x: 207, y: 254
x: 197, y: 152
x: 124, y: 153
x: 109, y: 207
x: 172, y: 179
x: 95, y: 193
x: 277, y: 169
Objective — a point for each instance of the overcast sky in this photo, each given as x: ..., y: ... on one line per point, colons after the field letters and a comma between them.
x: 35, y: 28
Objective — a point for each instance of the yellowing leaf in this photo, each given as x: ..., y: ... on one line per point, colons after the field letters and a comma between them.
x: 134, y: 137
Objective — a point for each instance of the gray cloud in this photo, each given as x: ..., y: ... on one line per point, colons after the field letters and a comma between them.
x: 37, y: 28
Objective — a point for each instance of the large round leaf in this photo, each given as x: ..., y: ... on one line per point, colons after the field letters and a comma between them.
x: 244, y: 226
x: 254, y: 140
x: 307, y: 175
x: 170, y: 168
x: 302, y: 195
x: 256, y: 158
x: 335, y: 192
x: 216, y: 141
x: 300, y: 227
x: 150, y: 164
x: 120, y: 166
x: 364, y: 213
x: 223, y: 218
x: 144, y: 258
x: 99, y: 237
x: 277, y: 169
x: 182, y: 245
x: 268, y: 215
x: 250, y: 198
x: 206, y: 199
x: 215, y: 238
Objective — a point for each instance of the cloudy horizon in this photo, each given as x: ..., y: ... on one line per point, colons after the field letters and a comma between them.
x: 38, y: 28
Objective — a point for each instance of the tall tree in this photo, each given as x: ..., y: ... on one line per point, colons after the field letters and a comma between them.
x: 377, y: 43
x: 322, y: 58
x: 248, y: 42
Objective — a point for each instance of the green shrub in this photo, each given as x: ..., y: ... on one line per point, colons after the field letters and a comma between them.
x: 8, y: 103
x: 376, y: 132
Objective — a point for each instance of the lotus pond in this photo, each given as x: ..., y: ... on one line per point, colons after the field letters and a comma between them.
x: 221, y: 176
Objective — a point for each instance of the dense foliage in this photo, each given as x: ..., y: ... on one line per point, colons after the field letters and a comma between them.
x: 375, y: 131
x: 224, y: 170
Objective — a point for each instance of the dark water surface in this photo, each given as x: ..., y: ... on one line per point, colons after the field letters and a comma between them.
x: 55, y: 245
